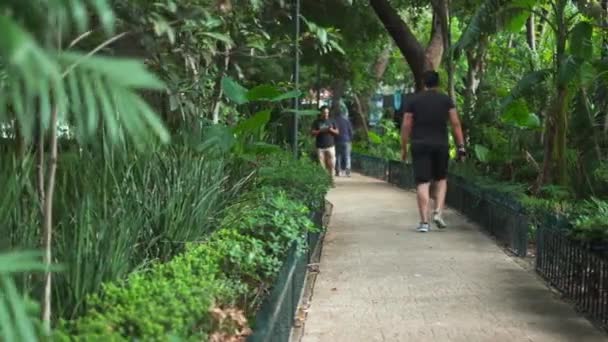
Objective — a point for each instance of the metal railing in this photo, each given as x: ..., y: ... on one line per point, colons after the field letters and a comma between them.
x: 572, y: 267
x: 274, y: 320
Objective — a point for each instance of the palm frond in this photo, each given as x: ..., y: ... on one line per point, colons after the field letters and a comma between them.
x: 17, y: 323
x: 66, y: 15
x: 83, y: 89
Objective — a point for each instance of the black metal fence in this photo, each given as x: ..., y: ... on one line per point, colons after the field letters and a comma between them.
x: 579, y: 270
x: 493, y: 212
x: 572, y: 267
x: 275, y: 318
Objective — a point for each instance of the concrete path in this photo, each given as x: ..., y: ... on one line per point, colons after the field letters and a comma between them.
x: 380, y: 280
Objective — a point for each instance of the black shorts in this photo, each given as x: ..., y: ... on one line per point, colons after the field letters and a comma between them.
x: 430, y: 162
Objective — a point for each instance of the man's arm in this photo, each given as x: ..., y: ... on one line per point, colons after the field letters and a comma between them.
x: 456, y: 127
x: 315, y: 129
x: 333, y: 129
x: 406, y: 130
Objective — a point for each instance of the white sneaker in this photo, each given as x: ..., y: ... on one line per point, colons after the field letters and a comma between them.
x: 423, y: 227
x: 438, y: 220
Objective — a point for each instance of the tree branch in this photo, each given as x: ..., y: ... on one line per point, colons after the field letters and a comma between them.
x: 404, y: 38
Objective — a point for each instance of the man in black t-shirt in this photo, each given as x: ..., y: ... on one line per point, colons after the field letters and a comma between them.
x: 325, y: 130
x: 425, y: 121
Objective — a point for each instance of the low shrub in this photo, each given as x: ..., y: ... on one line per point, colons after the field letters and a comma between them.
x: 210, y: 288
x: 301, y: 180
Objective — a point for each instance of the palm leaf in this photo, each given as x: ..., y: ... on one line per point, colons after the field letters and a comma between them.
x: 16, y: 323
x: 82, y: 88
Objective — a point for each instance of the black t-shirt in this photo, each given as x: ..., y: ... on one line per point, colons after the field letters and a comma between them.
x: 325, y: 139
x: 431, y: 112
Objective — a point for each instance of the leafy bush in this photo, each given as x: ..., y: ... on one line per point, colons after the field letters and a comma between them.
x: 384, y: 144
x: 301, y: 180
x: 115, y: 212
x: 590, y: 221
x: 234, y: 268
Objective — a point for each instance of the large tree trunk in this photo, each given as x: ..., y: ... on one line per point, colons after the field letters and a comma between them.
x: 418, y: 58
x: 531, y: 32
x: 362, y: 110
x: 475, y: 61
x: 362, y: 101
x: 337, y: 88
x: 447, y: 27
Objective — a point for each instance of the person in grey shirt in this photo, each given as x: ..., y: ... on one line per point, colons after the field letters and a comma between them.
x: 343, y: 144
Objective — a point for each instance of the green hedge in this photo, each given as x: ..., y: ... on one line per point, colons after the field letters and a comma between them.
x: 215, y: 284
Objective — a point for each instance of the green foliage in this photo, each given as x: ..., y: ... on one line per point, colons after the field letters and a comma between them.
x: 18, y: 321
x: 386, y: 144
x: 115, y: 212
x: 232, y: 268
x: 590, y: 221
x: 302, y: 180
x: 82, y: 89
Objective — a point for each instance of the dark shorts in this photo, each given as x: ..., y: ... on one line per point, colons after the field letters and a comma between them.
x: 430, y: 162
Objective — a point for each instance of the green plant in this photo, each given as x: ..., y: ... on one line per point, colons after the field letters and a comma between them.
x: 590, y: 221
x: 18, y: 321
x: 116, y: 211
x: 300, y: 179
x: 233, y: 268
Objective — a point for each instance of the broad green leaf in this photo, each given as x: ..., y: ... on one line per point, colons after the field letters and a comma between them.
x: 581, y: 45
x: 516, y: 23
x: 516, y: 112
x: 263, y: 92
x: 217, y: 136
x: 527, y: 84
x: 286, y: 96
x: 533, y: 121
x: 569, y: 69
x: 481, y: 152
x: 221, y: 37
x: 322, y: 36
x: 303, y: 112
x: 253, y: 124
x: 234, y: 91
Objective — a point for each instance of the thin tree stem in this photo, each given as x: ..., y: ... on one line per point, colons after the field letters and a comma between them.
x: 47, y: 228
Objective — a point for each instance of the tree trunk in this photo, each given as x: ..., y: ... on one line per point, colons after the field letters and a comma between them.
x: 450, y: 56
x: 418, y: 58
x: 338, y: 88
x: 47, y: 226
x: 475, y: 61
x: 531, y: 32
x: 40, y: 166
x: 378, y: 70
x: 318, y: 84
x: 361, y: 110
x: 218, y: 90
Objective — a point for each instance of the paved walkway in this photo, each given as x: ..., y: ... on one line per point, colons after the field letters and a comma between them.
x: 380, y: 280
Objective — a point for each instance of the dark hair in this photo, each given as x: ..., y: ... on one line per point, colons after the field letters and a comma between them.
x: 431, y: 79
x: 323, y: 108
